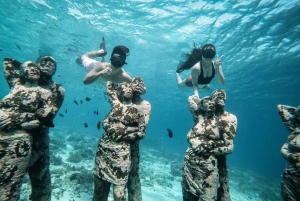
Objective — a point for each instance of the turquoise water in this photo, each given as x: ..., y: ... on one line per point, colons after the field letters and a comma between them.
x: 259, y: 39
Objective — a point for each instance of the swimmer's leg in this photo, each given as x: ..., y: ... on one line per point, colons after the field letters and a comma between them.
x: 180, y: 82
x: 93, y: 54
x: 207, y: 87
x: 102, y: 47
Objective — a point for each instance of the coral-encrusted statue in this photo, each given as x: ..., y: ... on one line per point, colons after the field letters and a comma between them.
x: 26, y: 114
x: 117, y: 157
x: 290, y: 185
x: 204, y: 174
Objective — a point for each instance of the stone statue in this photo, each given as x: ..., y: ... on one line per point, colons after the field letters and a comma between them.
x: 210, y: 139
x: 227, y: 124
x: 43, y: 98
x: 124, y: 125
x: 290, y: 185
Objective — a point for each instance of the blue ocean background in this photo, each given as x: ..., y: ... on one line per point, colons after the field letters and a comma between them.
x: 260, y: 41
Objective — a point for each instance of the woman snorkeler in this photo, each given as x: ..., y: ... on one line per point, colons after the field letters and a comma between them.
x: 203, y: 69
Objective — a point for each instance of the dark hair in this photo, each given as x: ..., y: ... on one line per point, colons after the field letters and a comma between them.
x: 192, y: 58
x: 121, y: 50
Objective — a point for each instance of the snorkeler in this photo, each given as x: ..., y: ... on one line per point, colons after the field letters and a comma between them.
x: 202, y: 72
x: 105, y: 71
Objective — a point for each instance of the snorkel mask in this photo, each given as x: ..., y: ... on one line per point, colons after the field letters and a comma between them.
x: 208, y: 53
x: 117, y: 60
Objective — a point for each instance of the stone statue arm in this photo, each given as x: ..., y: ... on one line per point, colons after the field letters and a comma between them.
x: 11, y: 68
x: 15, y: 120
x: 227, y: 133
x: 140, y: 133
x: 111, y: 93
x: 47, y: 110
x: 59, y: 93
x: 116, y: 130
x: 193, y: 105
x: 293, y: 158
x: 287, y: 114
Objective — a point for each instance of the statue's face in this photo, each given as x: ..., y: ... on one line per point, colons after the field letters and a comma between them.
x: 219, y: 98
x: 48, y: 67
x: 207, y: 104
x: 31, y: 72
x: 138, y: 86
x: 125, y: 91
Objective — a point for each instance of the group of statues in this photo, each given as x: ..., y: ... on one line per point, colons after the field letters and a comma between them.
x: 28, y: 111
x: 205, y: 175
x: 26, y: 114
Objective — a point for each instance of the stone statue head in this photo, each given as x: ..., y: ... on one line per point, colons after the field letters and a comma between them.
x: 47, y: 66
x: 30, y: 71
x: 207, y: 105
x: 219, y: 97
x: 124, y: 92
x: 138, y: 86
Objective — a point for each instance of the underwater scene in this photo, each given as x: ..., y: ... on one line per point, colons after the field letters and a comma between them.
x: 260, y: 41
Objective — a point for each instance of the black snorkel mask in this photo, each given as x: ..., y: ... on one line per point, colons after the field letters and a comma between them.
x: 208, y: 53
x: 117, y: 60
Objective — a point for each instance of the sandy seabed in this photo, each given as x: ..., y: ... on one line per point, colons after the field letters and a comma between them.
x: 72, y: 161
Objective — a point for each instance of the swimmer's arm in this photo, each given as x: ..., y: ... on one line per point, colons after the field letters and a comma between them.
x: 95, y: 73
x: 220, y: 75
x: 195, y: 74
x: 126, y: 77
x: 219, y: 71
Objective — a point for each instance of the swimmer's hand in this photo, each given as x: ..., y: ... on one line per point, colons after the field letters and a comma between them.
x: 196, y: 99
x: 106, y: 71
x: 218, y: 62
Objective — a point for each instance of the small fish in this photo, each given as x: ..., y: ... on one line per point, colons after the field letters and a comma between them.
x: 87, y: 99
x: 75, y: 102
x: 61, y: 115
x: 99, y: 125
x: 17, y: 46
x: 97, y: 112
x: 81, y: 101
x: 66, y: 111
x: 94, y: 112
x: 86, y: 125
x: 170, y: 133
